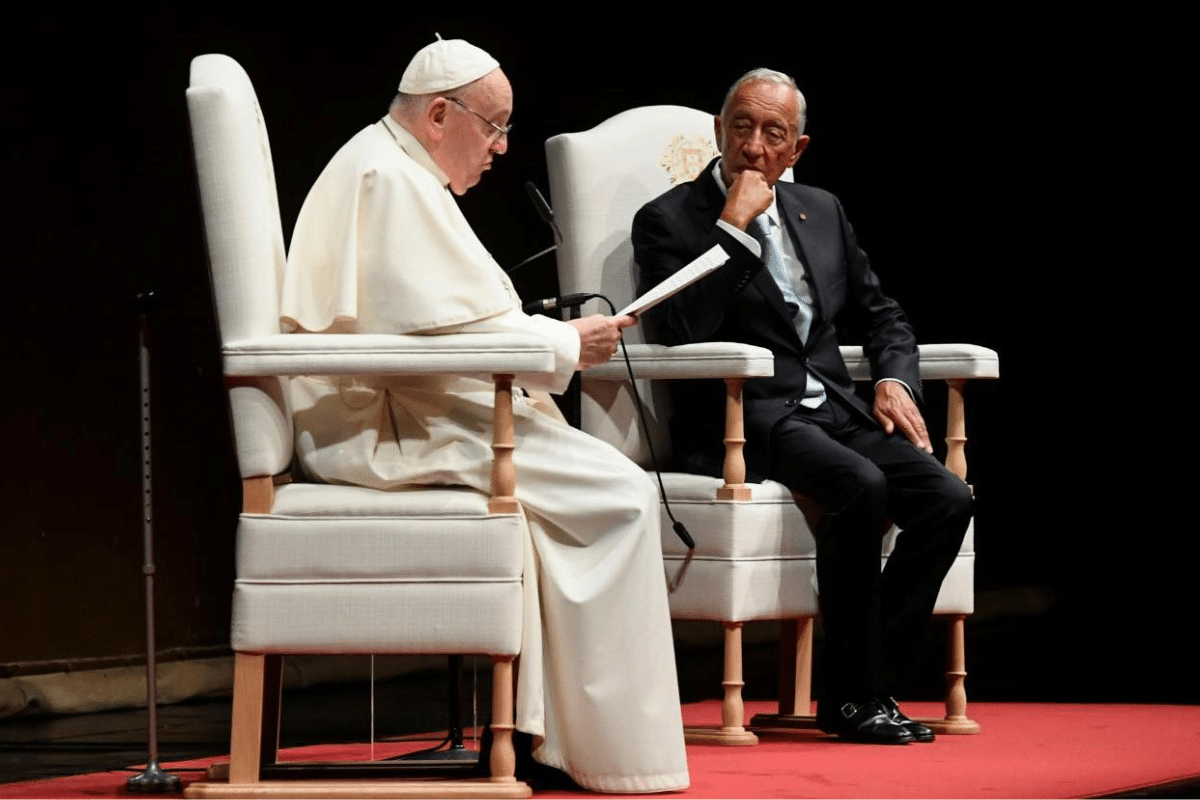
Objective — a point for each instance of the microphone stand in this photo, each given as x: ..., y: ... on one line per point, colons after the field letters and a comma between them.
x: 456, y: 753
x: 152, y: 779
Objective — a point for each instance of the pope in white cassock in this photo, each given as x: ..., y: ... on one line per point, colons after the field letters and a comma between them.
x: 380, y: 246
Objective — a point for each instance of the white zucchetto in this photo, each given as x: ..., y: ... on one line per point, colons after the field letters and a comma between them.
x: 445, y: 64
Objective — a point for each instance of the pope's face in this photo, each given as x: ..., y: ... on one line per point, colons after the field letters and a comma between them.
x: 471, y: 136
x: 758, y: 132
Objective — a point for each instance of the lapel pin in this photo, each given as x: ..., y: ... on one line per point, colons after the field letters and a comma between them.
x: 801, y: 216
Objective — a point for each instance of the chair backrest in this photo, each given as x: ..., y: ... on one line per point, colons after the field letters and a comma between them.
x: 599, y: 178
x: 244, y: 237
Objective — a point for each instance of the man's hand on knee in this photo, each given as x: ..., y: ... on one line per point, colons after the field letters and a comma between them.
x: 894, y: 408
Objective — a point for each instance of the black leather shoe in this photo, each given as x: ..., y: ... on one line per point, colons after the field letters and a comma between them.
x: 920, y: 733
x: 867, y: 723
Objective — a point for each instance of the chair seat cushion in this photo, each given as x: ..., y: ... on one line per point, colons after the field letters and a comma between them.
x: 318, y: 532
x: 347, y: 569
x: 767, y: 526
x: 377, y: 617
x: 756, y: 559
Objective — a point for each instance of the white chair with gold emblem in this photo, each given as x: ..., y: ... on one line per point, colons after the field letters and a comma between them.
x: 755, y: 556
x: 341, y: 569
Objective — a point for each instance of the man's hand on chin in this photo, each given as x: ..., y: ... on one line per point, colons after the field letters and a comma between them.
x: 749, y: 195
x: 894, y: 408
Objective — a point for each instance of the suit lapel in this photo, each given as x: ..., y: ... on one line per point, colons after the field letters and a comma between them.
x: 791, y: 208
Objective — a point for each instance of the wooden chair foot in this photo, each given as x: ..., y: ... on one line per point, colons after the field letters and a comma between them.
x: 961, y: 725
x: 729, y: 737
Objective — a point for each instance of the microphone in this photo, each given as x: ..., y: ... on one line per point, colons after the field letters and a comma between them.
x: 543, y: 209
x: 536, y: 255
x: 557, y: 303
x: 680, y: 531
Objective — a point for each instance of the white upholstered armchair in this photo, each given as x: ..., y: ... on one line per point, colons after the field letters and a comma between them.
x: 341, y: 569
x: 755, y: 556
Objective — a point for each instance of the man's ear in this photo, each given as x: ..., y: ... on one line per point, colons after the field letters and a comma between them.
x: 717, y: 133
x: 801, y: 143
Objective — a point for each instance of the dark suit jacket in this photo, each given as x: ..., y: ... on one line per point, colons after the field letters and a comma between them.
x: 741, y: 302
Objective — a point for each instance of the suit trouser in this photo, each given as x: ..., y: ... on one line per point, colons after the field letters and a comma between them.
x: 862, y: 478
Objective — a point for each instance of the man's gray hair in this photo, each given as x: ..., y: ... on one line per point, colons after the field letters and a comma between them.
x: 764, y: 75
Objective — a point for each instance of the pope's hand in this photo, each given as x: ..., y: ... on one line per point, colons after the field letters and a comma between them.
x: 748, y: 197
x: 599, y: 337
x: 894, y: 407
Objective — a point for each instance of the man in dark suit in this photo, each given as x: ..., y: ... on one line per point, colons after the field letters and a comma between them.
x: 797, y: 283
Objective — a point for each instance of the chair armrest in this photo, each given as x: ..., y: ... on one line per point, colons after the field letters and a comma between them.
x: 703, y: 360
x: 938, y: 362
x: 731, y: 361
x: 482, y: 354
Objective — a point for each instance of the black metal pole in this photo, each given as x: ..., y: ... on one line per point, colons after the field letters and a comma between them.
x: 152, y: 779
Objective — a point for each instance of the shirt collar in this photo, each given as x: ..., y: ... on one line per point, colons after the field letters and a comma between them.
x: 772, y: 211
x: 416, y: 151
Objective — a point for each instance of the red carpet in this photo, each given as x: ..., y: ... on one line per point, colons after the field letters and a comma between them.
x: 1025, y: 750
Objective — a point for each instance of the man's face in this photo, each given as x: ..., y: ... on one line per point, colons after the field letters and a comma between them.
x: 758, y: 132
x: 471, y: 143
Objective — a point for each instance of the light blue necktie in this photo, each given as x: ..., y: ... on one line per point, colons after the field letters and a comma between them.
x: 760, y: 226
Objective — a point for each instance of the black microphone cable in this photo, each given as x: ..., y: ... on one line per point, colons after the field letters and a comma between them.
x: 574, y: 300
x: 676, y: 525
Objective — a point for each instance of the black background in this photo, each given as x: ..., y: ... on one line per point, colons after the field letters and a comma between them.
x: 1005, y: 172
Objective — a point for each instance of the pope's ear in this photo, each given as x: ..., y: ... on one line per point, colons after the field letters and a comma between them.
x: 435, y: 116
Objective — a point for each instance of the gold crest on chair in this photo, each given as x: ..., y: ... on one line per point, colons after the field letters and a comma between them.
x: 685, y: 156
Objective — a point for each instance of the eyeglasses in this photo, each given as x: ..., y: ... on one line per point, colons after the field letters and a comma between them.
x: 500, y: 130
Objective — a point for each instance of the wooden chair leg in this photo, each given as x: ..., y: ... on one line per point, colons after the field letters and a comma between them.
x: 795, y: 679
x: 503, y: 761
x: 245, y: 745
x: 795, y: 667
x: 956, y: 721
x: 733, y: 713
x: 257, y: 684
x: 272, y: 708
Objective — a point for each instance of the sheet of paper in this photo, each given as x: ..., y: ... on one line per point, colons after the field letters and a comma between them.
x: 704, y: 264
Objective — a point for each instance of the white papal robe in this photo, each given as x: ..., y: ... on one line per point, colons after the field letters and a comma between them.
x: 381, y: 247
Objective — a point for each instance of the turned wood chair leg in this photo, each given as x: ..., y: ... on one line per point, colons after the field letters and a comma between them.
x: 956, y: 720
x: 733, y: 712
x: 503, y: 761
